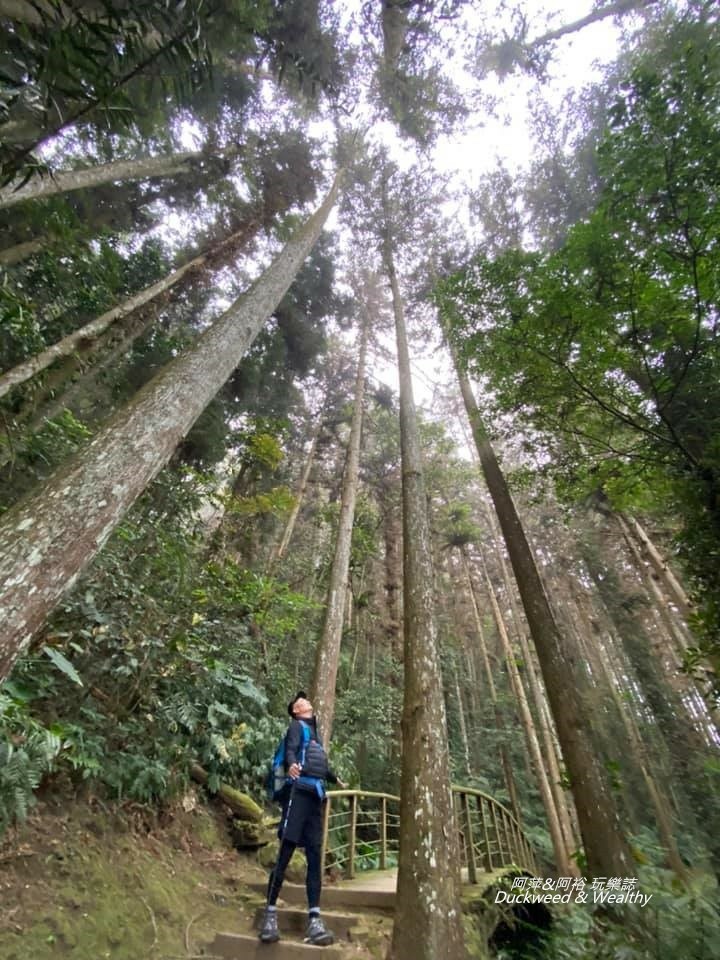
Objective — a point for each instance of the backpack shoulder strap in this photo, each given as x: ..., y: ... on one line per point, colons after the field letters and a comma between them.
x: 306, y: 737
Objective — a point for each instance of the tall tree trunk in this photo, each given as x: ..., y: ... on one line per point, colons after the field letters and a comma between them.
x: 11, y: 256
x: 392, y: 542
x: 464, y: 742
x: 327, y: 653
x: 615, y: 680
x: 65, y: 391
x: 140, y: 168
x: 565, y: 867
x: 428, y: 913
x: 606, y: 847
x: 279, y: 551
x: 676, y: 632
x: 65, y: 118
x: 562, y: 804
x: 691, y: 760
x: 492, y: 691
x: 49, y: 538
x: 662, y: 569
x: 92, y: 330
x: 615, y: 9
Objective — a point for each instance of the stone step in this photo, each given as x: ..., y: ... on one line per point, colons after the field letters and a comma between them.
x: 241, y: 946
x: 361, y: 899
x: 294, y: 920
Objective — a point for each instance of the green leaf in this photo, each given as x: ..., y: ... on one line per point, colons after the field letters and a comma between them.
x: 63, y: 664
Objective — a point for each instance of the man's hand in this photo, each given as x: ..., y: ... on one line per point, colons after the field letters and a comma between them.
x: 342, y: 784
x: 294, y: 771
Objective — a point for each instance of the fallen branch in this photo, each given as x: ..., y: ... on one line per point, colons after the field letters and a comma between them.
x: 188, y: 948
x: 242, y: 805
x: 152, y: 918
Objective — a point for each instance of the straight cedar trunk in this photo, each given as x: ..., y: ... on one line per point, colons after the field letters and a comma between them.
x: 141, y: 168
x: 327, y: 653
x: 392, y: 540
x: 92, y: 330
x: 428, y: 912
x: 565, y: 867
x: 461, y: 717
x: 67, y: 381
x: 675, y: 630
x: 492, y: 691
x: 552, y: 758
x: 49, y: 538
x: 673, y: 586
x: 606, y: 847
x: 64, y: 385
x: 689, y: 757
x: 614, y: 676
x: 279, y: 551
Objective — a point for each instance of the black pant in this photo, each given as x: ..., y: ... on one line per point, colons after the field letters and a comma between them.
x: 313, y: 880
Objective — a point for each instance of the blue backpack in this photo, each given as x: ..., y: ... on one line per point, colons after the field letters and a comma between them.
x: 277, y: 778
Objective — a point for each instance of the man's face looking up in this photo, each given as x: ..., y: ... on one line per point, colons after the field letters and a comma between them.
x: 302, y: 708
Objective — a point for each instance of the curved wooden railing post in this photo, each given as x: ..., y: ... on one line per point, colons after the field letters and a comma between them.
x: 326, y: 825
x: 469, y: 840
x: 487, y: 852
x: 383, y: 834
x: 353, y: 834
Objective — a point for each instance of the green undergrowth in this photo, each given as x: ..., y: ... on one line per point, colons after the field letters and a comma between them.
x: 85, y: 881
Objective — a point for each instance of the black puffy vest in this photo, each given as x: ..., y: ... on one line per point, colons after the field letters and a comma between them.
x: 316, y: 761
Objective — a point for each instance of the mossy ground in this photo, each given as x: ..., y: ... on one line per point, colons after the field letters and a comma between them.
x: 85, y: 881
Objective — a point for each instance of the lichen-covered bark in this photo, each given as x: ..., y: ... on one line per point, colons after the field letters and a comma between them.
x: 428, y: 914
x: 49, y: 538
x: 605, y: 845
x: 327, y: 654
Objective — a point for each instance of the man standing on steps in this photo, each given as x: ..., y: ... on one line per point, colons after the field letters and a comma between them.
x: 301, y: 823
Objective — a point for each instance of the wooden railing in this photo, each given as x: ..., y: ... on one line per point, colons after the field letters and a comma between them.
x: 362, y: 832
x: 490, y: 836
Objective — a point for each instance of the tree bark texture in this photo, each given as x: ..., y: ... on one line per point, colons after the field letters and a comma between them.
x: 327, y: 653
x: 428, y: 915
x: 49, y: 538
x: 605, y: 845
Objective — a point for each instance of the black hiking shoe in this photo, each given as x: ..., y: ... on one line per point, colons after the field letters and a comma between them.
x: 317, y: 933
x: 269, y: 932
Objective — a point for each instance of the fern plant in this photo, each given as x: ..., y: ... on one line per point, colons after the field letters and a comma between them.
x: 27, y: 753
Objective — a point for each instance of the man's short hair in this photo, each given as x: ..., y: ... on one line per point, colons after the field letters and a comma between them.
x: 300, y: 695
